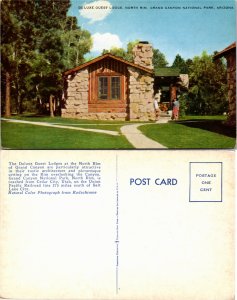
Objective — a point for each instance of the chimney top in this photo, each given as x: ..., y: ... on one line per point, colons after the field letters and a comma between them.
x: 142, y: 54
x: 143, y: 42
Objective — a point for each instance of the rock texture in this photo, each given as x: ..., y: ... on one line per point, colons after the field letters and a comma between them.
x: 140, y: 95
x: 77, y: 95
x: 143, y: 54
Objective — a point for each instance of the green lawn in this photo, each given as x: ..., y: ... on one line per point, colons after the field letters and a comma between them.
x: 201, y: 132
x: 191, y: 134
x: 25, y: 136
x: 113, y: 125
x: 219, y: 117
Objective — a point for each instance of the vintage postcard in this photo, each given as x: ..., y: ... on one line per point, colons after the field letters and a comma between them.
x: 118, y: 74
x: 118, y: 134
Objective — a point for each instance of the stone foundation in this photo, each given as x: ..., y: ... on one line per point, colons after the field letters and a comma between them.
x: 95, y: 116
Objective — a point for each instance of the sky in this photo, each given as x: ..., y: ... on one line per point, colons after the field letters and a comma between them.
x: 174, y: 27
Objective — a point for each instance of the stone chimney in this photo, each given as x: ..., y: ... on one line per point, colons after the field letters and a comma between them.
x: 142, y: 54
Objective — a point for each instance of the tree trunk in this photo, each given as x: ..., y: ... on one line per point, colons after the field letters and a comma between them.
x: 19, y: 98
x: 51, y: 106
x: 8, y: 96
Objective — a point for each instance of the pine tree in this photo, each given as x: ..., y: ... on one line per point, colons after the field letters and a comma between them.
x: 39, y: 41
x: 180, y: 63
x: 159, y: 60
x: 17, y: 26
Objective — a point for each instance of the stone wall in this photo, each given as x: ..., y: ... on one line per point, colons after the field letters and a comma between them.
x: 102, y: 116
x: 142, y: 55
x: 141, y: 91
x: 77, y: 95
x: 140, y: 95
x: 231, y: 77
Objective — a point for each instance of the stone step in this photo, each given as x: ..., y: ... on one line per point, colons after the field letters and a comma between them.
x: 165, y: 115
x: 163, y: 120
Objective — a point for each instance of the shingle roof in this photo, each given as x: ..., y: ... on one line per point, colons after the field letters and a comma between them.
x: 167, y: 72
x: 225, y: 51
x: 107, y: 55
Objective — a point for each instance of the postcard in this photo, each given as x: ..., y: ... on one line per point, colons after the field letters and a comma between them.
x: 117, y: 225
x: 118, y: 133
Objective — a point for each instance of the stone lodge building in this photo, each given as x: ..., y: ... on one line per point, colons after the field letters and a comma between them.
x: 230, y: 54
x: 111, y: 88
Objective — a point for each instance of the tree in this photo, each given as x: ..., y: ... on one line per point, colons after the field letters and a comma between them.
x: 188, y: 64
x: 121, y: 52
x: 180, y: 63
x: 129, y: 53
x: 39, y: 41
x: 208, y: 87
x: 159, y: 60
x: 52, y: 15
x: 116, y: 51
x: 16, y: 46
x: 76, y: 41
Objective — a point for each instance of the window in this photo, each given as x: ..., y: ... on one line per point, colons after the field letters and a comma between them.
x: 109, y: 88
x: 103, y: 87
x: 115, y: 87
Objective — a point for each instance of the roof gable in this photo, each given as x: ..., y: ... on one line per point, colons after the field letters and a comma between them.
x: 107, y: 55
x: 225, y: 51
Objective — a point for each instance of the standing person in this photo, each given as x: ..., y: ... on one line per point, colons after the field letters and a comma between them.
x: 175, y: 109
x: 156, y: 106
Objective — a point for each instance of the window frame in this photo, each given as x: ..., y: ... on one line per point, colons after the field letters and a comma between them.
x: 109, y: 87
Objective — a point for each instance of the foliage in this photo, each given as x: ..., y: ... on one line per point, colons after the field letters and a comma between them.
x: 76, y: 41
x: 17, y: 47
x: 39, y: 41
x: 116, y: 51
x: 188, y: 65
x: 180, y: 63
x: 208, y: 88
x: 182, y: 104
x: 121, y: 52
x: 159, y: 60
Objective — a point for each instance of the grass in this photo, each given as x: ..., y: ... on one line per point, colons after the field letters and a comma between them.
x: 180, y: 135
x: 113, y: 125
x: 25, y: 136
x: 201, y: 132
x: 215, y: 117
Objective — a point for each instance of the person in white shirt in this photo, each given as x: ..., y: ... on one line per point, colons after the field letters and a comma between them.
x: 156, y: 104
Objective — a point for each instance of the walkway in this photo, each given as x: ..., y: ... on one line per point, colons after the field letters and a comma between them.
x: 137, y: 139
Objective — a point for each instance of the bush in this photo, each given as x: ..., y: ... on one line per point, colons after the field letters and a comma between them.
x: 183, y: 104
